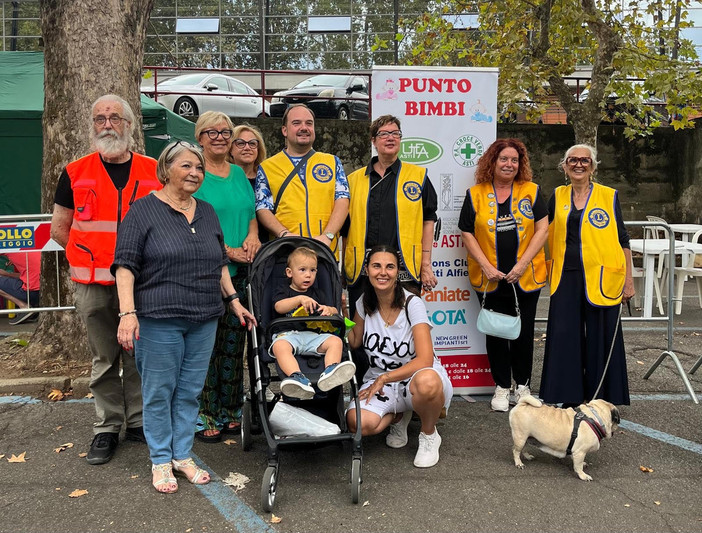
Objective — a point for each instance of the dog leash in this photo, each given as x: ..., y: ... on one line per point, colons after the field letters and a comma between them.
x: 611, y: 349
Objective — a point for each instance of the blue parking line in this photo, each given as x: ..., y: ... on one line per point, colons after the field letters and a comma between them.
x: 663, y: 437
x: 242, y: 517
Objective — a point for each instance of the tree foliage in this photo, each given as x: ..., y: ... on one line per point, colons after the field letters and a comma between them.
x: 537, y: 44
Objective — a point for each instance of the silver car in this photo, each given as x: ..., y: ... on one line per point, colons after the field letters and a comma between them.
x: 208, y: 92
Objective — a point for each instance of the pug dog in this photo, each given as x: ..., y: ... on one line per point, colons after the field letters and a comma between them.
x: 552, y: 427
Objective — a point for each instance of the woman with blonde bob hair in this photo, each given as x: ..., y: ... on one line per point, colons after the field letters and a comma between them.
x: 504, y: 225
x: 590, y: 276
x: 226, y: 188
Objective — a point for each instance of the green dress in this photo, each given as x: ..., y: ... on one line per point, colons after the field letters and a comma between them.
x: 222, y: 395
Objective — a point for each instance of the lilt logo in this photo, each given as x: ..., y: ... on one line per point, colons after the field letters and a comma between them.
x: 467, y: 149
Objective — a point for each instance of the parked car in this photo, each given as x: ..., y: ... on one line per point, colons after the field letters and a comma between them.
x: 349, y: 93
x: 208, y: 92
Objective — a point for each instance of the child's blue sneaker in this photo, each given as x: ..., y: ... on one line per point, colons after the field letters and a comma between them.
x: 335, y: 375
x: 297, y: 386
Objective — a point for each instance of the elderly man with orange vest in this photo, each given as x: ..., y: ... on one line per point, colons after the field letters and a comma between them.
x: 300, y: 191
x: 93, y: 195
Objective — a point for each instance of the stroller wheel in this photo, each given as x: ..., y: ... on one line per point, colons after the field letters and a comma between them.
x: 270, y: 480
x: 246, y: 441
x: 355, y: 480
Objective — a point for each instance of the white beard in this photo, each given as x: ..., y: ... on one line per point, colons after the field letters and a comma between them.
x: 109, y: 144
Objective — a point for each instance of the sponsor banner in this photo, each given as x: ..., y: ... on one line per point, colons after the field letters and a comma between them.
x: 449, y: 118
x: 27, y: 236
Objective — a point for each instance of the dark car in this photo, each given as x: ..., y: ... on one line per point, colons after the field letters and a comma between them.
x: 328, y: 95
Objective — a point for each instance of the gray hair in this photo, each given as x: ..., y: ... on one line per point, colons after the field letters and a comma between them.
x: 591, y: 149
x: 171, y: 153
x: 127, y: 113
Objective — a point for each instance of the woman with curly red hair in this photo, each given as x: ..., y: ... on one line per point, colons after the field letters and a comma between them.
x: 504, y: 225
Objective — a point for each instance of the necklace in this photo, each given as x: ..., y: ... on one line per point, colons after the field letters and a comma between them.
x: 176, y: 203
x: 388, y: 321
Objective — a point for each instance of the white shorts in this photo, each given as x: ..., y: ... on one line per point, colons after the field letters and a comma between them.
x: 301, y: 341
x: 397, y: 398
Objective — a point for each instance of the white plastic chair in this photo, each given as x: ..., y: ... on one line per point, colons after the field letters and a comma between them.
x: 688, y: 268
x: 656, y: 232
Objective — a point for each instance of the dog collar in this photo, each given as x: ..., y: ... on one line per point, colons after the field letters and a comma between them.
x: 594, y: 426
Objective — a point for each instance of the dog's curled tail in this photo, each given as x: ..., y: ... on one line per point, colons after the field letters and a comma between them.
x: 530, y: 400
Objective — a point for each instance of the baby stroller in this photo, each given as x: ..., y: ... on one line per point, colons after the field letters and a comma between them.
x: 268, y: 273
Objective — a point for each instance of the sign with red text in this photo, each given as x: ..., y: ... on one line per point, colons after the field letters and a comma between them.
x: 449, y: 118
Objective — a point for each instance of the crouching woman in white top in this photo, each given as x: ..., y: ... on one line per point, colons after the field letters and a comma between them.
x: 404, y: 374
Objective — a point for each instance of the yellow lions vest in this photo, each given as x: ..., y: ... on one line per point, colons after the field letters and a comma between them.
x: 484, y: 202
x: 303, y: 208
x: 408, y: 206
x: 604, y: 263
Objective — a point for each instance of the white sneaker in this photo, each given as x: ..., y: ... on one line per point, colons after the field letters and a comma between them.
x: 520, y: 392
x: 428, y: 452
x: 500, y: 400
x: 397, y: 438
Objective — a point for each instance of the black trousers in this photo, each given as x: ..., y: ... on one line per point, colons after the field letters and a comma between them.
x: 512, y: 359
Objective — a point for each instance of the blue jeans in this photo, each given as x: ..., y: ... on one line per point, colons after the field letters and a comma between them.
x: 172, y: 356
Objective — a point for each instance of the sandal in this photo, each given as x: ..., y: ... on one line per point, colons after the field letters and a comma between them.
x: 217, y: 437
x: 199, y: 477
x: 231, y: 428
x: 164, y: 483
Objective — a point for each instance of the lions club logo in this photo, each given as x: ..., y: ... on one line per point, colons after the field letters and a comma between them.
x: 322, y: 173
x: 412, y: 190
x: 525, y: 208
x: 598, y: 218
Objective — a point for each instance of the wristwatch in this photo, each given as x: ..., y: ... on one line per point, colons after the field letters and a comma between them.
x: 329, y: 236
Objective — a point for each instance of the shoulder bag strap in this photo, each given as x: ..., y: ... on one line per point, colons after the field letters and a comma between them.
x: 294, y: 171
x: 407, y: 301
x: 516, y: 300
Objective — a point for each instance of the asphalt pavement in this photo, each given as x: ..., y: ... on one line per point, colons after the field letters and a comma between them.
x: 475, y: 486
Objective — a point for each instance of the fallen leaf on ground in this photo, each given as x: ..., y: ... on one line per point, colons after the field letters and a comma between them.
x: 58, y: 427
x: 657, y: 503
x: 55, y: 395
x: 229, y: 442
x: 639, y: 362
x: 627, y: 505
x: 188, y: 530
x: 63, y: 447
x: 89, y: 395
x: 275, y: 519
x: 83, y: 454
x: 21, y: 342
x: 236, y: 481
x: 366, y: 503
x: 134, y: 476
x: 78, y: 493
x: 17, y: 458
x: 57, y: 488
x: 2, y: 455
x: 645, y: 469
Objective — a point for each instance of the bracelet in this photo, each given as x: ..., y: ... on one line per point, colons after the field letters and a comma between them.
x: 283, y: 233
x: 132, y: 312
x: 231, y: 297
x: 426, y: 251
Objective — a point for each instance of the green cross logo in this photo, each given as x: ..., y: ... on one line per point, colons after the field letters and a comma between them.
x: 467, y: 149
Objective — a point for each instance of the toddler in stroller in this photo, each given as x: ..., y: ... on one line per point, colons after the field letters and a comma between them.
x: 301, y: 270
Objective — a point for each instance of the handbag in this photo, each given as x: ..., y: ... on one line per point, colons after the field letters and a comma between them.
x: 498, y: 324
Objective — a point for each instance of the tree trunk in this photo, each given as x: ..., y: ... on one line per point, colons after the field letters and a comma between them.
x: 91, y: 48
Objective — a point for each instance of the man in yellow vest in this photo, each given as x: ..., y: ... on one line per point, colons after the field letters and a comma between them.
x: 392, y: 202
x: 300, y: 191
x: 93, y: 195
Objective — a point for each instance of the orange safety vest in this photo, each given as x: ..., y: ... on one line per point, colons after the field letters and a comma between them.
x: 98, y: 209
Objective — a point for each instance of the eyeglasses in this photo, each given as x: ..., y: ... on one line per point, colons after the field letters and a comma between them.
x: 240, y: 143
x: 584, y: 161
x: 115, y: 120
x: 213, y: 134
x: 397, y: 134
x: 185, y: 144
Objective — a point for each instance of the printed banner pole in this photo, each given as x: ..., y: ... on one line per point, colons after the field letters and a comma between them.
x: 449, y: 118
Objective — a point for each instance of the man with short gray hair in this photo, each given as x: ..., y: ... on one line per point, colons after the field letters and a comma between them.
x: 93, y: 195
